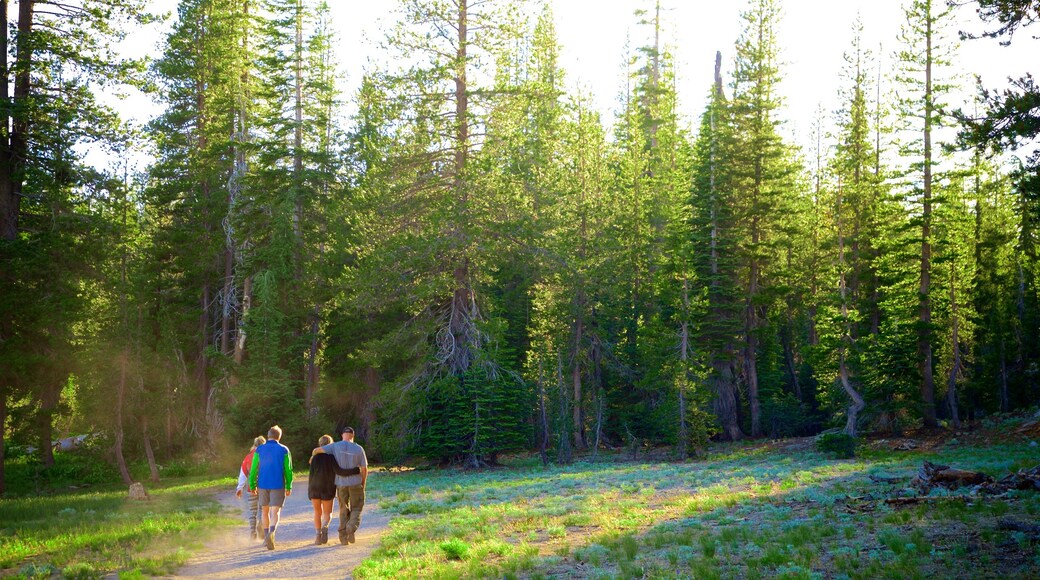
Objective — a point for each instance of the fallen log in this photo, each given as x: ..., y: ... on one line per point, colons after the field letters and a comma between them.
x: 931, y: 475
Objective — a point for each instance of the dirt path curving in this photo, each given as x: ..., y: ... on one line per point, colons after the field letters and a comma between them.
x: 234, y: 555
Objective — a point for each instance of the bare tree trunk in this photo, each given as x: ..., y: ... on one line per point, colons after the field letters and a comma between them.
x: 684, y: 369
x: 240, y: 336
x: 565, y: 452
x: 543, y: 419
x: 120, y: 396
x: 202, y: 361
x: 1004, y: 399
x: 15, y: 149
x: 847, y: 340
x: 153, y: 469
x: 577, y: 409
x: 925, y: 338
x: 48, y: 400
x: 724, y: 386
x: 313, y: 373
x: 3, y: 430
x: 955, y: 367
x: 600, y: 401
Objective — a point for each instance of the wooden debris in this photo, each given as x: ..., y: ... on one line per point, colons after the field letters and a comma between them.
x: 886, y: 479
x: 905, y: 445
x: 916, y: 499
x: 932, y: 475
x: 1014, y: 525
x: 1025, y: 479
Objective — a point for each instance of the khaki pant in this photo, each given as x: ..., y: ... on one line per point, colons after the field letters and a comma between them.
x: 351, y: 502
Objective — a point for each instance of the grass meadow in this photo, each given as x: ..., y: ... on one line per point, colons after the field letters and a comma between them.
x: 90, y: 534
x: 761, y: 510
x: 753, y: 510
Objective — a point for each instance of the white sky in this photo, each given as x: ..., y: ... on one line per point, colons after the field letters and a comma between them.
x: 593, y: 34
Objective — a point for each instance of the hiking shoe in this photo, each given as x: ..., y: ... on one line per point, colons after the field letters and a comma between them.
x: 350, y: 537
x: 269, y: 541
x: 317, y: 538
x: 343, y: 539
x: 252, y: 535
x: 324, y: 535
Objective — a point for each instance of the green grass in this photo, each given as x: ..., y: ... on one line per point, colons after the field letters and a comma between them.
x: 89, y: 534
x: 743, y: 511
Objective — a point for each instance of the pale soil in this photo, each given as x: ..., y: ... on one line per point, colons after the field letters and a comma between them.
x: 233, y: 554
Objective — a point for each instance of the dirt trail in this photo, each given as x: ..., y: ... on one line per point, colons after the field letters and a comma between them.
x: 234, y: 555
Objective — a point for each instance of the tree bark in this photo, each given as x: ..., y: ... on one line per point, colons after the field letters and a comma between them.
x: 120, y: 396
x: 312, y: 371
x: 684, y: 360
x: 543, y: 418
x: 925, y: 305
x: 153, y: 469
x: 14, y: 147
x: 577, y: 409
x: 724, y: 386
x: 3, y: 430
x: 955, y: 367
x: 462, y: 305
x: 857, y: 403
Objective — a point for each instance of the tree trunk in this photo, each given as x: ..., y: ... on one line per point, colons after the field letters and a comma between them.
x: 751, y: 362
x: 955, y: 367
x: 48, y: 400
x: 3, y: 430
x: 1004, y: 399
x: 311, y: 388
x: 724, y: 386
x: 543, y: 418
x: 202, y: 371
x: 925, y: 333
x: 565, y: 453
x: 153, y: 469
x: 120, y: 399
x: 857, y: 403
x: 15, y: 148
x: 463, y: 308
x: 577, y: 410
x: 684, y: 345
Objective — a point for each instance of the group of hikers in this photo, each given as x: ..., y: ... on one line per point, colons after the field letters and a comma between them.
x: 337, y: 470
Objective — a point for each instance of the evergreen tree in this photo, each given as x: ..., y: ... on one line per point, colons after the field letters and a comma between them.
x: 925, y: 85
x: 762, y: 178
x: 57, y: 57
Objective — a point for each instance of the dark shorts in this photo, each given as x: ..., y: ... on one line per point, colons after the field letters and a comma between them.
x: 271, y: 497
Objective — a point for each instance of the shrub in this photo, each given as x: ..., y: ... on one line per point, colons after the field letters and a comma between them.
x: 454, y: 549
x: 841, y: 445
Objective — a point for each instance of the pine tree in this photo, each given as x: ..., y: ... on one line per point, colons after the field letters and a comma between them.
x: 924, y: 84
x: 714, y: 241
x: 762, y: 178
x: 57, y: 57
x: 437, y: 213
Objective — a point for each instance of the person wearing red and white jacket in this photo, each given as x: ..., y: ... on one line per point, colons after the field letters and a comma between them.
x: 252, y: 502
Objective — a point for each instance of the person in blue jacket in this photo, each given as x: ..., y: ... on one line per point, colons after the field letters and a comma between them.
x: 271, y: 478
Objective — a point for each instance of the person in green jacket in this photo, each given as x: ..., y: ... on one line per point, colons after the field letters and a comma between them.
x: 270, y: 477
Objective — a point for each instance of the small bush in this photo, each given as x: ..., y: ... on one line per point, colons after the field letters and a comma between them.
x: 840, y: 445
x: 454, y: 549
